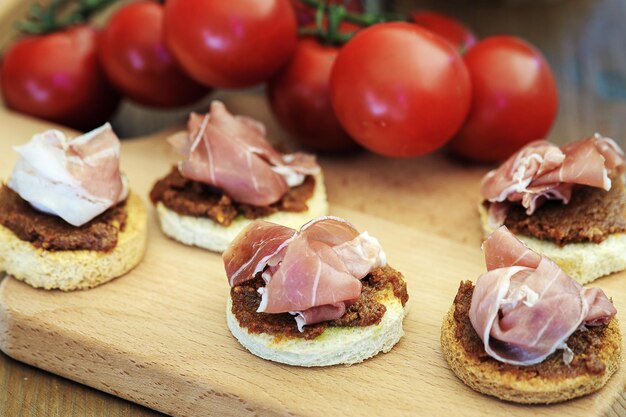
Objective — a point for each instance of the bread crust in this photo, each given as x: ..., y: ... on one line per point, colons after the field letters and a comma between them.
x: 76, y: 269
x: 208, y: 234
x: 337, y: 345
x: 585, y: 262
x: 487, y: 378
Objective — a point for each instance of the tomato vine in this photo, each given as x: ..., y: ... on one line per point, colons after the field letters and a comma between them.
x: 329, y: 16
x: 60, y: 14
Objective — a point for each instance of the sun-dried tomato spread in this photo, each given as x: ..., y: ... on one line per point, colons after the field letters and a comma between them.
x: 193, y: 198
x: 368, y: 310
x: 591, y: 216
x: 52, y: 233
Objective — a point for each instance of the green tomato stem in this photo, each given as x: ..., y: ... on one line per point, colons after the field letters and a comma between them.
x: 336, y: 14
x: 60, y: 14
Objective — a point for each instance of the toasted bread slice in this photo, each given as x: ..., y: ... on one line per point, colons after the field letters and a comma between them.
x: 337, y: 345
x: 491, y: 378
x: 76, y: 269
x: 585, y: 262
x: 345, y: 345
x: 208, y: 234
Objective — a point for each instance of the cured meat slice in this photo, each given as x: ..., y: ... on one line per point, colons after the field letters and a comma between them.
x: 253, y: 249
x: 361, y: 254
x: 330, y: 230
x: 516, y: 173
x: 232, y: 153
x: 542, y: 171
x: 76, y: 179
x: 319, y: 314
x: 502, y: 249
x: 525, y: 307
x: 613, y: 155
x: 540, y: 308
x: 601, y: 309
x: 309, y: 273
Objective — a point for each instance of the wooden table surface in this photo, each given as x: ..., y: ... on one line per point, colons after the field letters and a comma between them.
x: 584, y: 40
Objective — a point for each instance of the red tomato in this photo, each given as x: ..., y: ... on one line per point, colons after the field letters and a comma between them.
x: 306, y: 14
x: 230, y: 44
x: 514, y: 99
x: 299, y: 96
x: 57, y: 77
x: 447, y: 27
x: 133, y: 54
x: 400, y: 90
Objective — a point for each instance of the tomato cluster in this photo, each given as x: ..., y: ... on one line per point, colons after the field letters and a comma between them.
x: 406, y: 89
x: 157, y: 55
x: 397, y: 88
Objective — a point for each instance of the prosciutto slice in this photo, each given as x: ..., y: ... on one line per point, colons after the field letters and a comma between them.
x: 313, y: 273
x: 542, y: 171
x: 76, y: 179
x: 233, y: 154
x: 525, y: 307
x: 319, y: 314
x: 253, y: 248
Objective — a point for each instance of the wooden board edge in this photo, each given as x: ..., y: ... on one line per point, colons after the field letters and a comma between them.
x: 4, y: 318
x: 178, y: 396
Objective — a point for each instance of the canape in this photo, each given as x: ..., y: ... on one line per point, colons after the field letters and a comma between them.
x: 320, y: 296
x: 568, y: 203
x: 230, y: 177
x: 527, y: 332
x: 67, y: 217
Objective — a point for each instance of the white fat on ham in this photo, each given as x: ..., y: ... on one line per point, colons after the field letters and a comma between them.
x: 318, y: 314
x: 361, y: 254
x: 76, y: 179
x: 233, y: 154
x: 291, y: 177
x: 542, y: 171
x: 314, y: 273
x: 525, y: 307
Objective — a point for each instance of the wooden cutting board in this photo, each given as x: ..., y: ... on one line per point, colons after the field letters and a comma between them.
x: 158, y: 336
